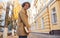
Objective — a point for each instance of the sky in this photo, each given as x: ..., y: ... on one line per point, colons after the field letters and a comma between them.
x: 21, y: 1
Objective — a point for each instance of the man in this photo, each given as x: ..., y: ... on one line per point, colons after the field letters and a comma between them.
x: 23, y: 21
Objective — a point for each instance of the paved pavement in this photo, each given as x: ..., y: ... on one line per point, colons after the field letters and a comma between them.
x: 39, y: 35
x: 1, y: 35
x: 12, y: 36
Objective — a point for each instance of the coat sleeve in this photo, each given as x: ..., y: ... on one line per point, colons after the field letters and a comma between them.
x: 24, y: 18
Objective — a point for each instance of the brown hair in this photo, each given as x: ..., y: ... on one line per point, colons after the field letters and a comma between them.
x: 25, y: 3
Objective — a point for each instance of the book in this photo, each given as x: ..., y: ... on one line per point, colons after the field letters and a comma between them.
x: 26, y: 29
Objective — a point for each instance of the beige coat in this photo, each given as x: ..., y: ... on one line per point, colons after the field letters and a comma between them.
x: 20, y: 28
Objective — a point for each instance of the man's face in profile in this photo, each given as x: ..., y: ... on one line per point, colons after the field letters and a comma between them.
x: 26, y: 6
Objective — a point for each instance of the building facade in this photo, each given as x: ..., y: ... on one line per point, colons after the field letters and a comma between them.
x: 48, y: 17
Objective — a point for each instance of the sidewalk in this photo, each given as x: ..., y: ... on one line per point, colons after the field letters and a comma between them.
x: 38, y: 35
x: 41, y: 35
x: 12, y: 36
x: 1, y: 35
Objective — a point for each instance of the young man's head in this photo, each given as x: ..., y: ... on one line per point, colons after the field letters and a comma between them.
x: 26, y: 5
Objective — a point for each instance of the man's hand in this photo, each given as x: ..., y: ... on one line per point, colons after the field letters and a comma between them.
x: 29, y: 31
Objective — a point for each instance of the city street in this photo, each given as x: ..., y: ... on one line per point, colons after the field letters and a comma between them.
x: 40, y: 18
x: 36, y: 35
x: 39, y: 35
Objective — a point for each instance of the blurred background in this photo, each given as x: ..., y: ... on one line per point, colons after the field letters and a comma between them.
x: 43, y: 16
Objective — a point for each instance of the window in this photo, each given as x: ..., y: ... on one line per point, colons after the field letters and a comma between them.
x: 36, y: 24
x: 44, y: 1
x: 54, y: 16
x: 42, y: 23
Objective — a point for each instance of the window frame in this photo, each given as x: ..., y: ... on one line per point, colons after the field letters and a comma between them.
x: 54, y: 18
x: 42, y: 23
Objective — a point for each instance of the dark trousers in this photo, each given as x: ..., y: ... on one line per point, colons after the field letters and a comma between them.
x: 22, y: 36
